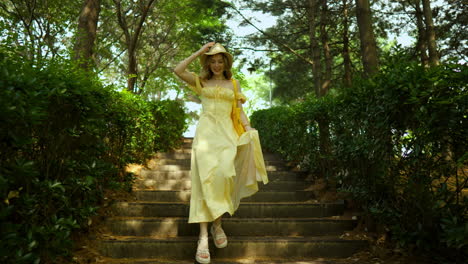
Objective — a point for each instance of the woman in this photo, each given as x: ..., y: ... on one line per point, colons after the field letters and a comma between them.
x: 225, y: 167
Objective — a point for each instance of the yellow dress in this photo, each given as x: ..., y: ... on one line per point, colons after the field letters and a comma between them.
x: 224, y: 167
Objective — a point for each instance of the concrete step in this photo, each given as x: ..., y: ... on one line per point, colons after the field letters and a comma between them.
x: 164, y: 175
x: 183, y: 248
x: 186, y: 154
x: 260, y: 196
x: 245, y: 210
x: 179, y: 226
x: 179, y: 185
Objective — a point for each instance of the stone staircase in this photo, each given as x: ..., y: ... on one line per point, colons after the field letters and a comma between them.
x: 281, y: 222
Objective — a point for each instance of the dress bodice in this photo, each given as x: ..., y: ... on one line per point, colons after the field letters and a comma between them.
x: 218, y: 92
x: 217, y: 100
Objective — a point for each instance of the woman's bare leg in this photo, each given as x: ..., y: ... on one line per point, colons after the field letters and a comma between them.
x: 217, y: 223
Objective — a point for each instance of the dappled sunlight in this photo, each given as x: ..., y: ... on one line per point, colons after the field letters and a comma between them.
x: 133, y: 168
x: 167, y: 228
x: 183, y: 196
x: 253, y: 261
x: 169, y: 185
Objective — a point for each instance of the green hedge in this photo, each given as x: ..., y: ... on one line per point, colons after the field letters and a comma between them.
x: 64, y: 138
x: 398, y: 144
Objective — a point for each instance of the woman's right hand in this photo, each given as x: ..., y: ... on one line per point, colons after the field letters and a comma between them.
x: 206, y: 47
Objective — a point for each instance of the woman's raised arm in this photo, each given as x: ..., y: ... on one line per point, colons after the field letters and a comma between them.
x: 181, y: 68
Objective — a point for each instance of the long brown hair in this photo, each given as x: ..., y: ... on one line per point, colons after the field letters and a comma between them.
x: 207, y: 74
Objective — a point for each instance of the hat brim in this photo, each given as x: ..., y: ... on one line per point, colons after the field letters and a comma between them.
x: 204, y: 56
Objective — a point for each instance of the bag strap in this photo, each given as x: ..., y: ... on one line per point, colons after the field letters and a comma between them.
x: 234, y: 85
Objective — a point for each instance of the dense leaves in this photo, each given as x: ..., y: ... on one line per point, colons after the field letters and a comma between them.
x: 63, y: 140
x: 399, y: 145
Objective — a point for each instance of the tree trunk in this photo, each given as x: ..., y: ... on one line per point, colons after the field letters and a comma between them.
x: 430, y: 34
x: 421, y: 45
x: 326, y: 49
x: 346, y: 57
x: 320, y: 89
x: 86, y: 33
x: 132, y: 70
x: 131, y: 40
x: 316, y: 66
x: 366, y: 35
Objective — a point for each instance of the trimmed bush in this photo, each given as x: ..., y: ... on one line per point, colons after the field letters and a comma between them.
x: 398, y: 147
x: 64, y: 138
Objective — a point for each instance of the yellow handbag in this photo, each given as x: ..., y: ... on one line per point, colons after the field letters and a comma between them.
x: 235, y: 113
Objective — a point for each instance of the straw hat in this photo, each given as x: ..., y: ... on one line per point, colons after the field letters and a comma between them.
x: 215, y: 49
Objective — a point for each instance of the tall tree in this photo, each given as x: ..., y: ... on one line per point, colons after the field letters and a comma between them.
x: 430, y: 33
x: 38, y: 28
x: 421, y: 44
x: 169, y: 31
x: 324, y: 35
x: 452, y: 29
x: 324, y: 24
x: 86, y: 33
x: 313, y: 15
x: 317, y: 12
x: 132, y: 31
x: 366, y: 35
x: 346, y: 52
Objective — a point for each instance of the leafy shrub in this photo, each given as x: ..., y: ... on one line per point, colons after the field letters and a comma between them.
x: 63, y: 139
x: 398, y: 146
x: 138, y: 128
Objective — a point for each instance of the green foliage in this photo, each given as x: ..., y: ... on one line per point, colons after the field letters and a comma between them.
x: 171, y: 32
x: 282, y: 130
x: 169, y: 117
x: 63, y: 140
x: 38, y: 28
x: 399, y: 144
x: 137, y: 128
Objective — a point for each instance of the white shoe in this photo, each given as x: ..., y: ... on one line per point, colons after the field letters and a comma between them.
x: 200, y: 252
x: 218, y: 235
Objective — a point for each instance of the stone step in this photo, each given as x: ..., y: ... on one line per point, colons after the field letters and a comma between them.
x: 177, y: 167
x: 187, y: 145
x: 179, y: 185
x: 186, y: 154
x: 188, y: 150
x: 245, y: 210
x: 231, y: 261
x: 260, y: 196
x: 164, y: 175
x: 179, y: 226
x: 183, y: 248
x: 186, y: 162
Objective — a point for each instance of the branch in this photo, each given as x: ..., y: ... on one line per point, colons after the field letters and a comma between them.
x: 141, y: 22
x: 122, y: 22
x: 271, y: 38
x: 110, y: 62
x: 262, y: 50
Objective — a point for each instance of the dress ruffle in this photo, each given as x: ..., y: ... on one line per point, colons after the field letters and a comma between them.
x: 249, y: 165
